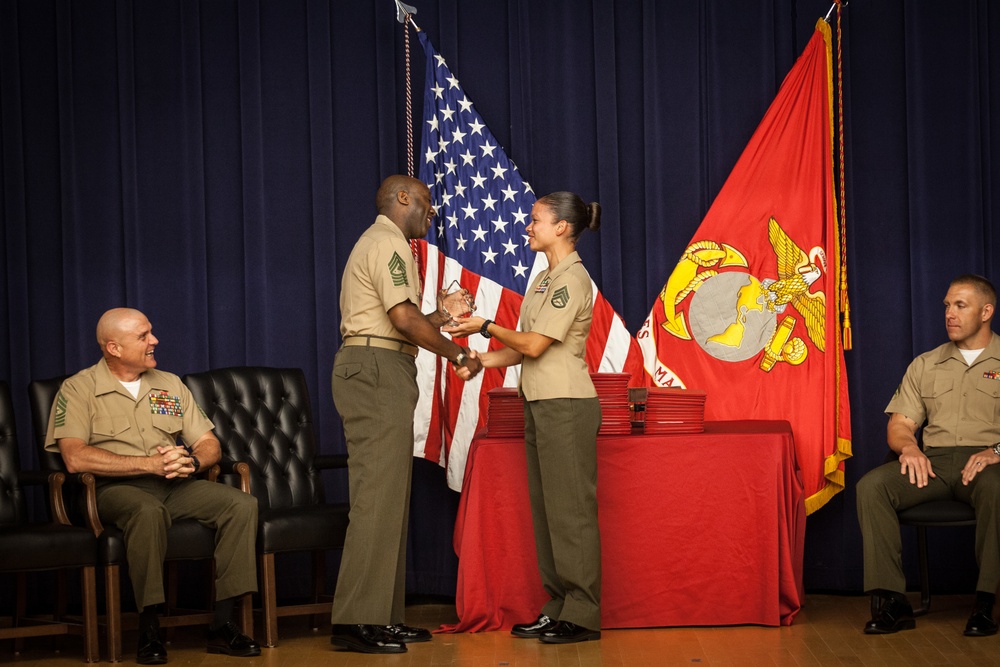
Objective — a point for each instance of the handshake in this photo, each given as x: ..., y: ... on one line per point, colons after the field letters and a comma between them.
x: 468, y: 364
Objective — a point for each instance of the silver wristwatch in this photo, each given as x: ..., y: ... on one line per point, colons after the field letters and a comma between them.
x: 996, y: 448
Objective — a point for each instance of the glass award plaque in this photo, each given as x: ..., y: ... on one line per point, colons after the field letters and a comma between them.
x: 456, y: 301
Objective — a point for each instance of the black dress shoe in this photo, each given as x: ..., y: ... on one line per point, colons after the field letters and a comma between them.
x: 565, y: 632
x: 228, y: 640
x: 981, y: 623
x: 365, y: 639
x: 894, y: 615
x: 535, y: 629
x: 151, y: 650
x: 407, y: 635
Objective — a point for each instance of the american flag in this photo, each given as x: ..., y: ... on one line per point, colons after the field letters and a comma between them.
x: 478, y: 238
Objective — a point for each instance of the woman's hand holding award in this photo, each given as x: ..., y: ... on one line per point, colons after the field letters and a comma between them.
x: 455, y: 301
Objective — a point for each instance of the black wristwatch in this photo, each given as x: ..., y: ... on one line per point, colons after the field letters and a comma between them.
x: 195, y: 462
x: 484, y: 330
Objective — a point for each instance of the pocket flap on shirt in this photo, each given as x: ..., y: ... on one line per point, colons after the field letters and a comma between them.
x: 110, y: 425
x: 168, y: 423
x: 989, y: 387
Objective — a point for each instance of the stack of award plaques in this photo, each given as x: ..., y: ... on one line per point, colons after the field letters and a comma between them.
x: 671, y: 410
x: 506, y: 412
x: 612, y: 392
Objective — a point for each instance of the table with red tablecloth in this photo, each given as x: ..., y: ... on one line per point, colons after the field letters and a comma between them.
x: 704, y: 529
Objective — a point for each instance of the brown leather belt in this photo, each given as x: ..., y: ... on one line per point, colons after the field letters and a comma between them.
x: 384, y: 343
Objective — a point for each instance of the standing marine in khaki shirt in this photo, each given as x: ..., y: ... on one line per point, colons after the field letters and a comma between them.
x: 375, y: 392
x: 562, y: 415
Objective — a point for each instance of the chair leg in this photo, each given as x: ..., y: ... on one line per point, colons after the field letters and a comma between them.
x: 113, y: 611
x: 170, y: 592
x: 62, y: 601
x: 20, y: 608
x: 62, y: 595
x: 925, y: 578
x: 246, y: 614
x: 91, y: 645
x: 268, y: 595
x: 319, y: 582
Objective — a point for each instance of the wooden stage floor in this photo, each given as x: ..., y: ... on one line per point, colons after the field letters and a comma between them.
x: 826, y: 632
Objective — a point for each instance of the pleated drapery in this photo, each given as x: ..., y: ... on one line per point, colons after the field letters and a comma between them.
x: 212, y: 162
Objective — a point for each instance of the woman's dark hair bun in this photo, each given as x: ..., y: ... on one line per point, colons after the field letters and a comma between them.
x: 595, y: 216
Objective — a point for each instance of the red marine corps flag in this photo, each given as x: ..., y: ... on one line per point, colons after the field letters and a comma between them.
x: 751, y: 311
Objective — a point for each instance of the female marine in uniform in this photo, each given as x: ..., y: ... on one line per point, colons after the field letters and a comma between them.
x: 561, y: 418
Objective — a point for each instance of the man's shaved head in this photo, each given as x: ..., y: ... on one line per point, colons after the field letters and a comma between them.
x: 114, y: 321
x: 385, y: 198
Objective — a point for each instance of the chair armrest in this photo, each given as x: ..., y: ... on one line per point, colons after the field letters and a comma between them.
x: 89, y: 483
x: 243, y: 470
x: 330, y: 461
x: 85, y: 484
x: 227, y: 467
x: 56, y: 500
x: 54, y: 481
x: 240, y: 468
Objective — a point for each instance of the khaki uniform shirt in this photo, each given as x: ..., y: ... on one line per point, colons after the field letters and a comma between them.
x: 559, y: 304
x: 380, y: 274
x: 94, y: 407
x: 960, y: 403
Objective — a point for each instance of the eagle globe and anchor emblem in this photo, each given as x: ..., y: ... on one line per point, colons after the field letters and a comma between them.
x: 733, y: 315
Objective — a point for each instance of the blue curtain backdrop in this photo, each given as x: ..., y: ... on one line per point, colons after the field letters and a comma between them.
x: 212, y: 162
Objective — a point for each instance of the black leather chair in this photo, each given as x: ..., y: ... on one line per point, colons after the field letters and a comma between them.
x: 31, y: 547
x: 263, y: 419
x: 931, y: 515
x: 934, y: 514
x: 186, y: 539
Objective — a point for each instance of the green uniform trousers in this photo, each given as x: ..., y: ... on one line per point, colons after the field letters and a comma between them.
x: 144, y: 508
x: 375, y: 392
x: 883, y: 491
x: 560, y: 437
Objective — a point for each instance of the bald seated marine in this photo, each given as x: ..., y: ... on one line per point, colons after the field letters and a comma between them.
x: 375, y: 391
x: 120, y: 420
